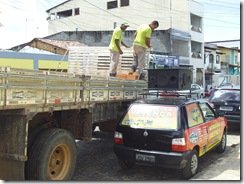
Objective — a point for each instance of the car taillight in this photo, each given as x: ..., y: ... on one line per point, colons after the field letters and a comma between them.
x: 118, y: 138
x: 178, y: 144
x: 211, y: 104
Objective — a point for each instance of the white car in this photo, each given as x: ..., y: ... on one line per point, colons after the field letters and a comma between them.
x: 196, y: 91
x: 199, y: 90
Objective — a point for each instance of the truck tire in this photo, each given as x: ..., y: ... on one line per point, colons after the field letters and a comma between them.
x: 191, y: 166
x: 222, y: 145
x: 52, y: 156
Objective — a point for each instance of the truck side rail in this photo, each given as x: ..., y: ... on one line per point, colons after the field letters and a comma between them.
x: 21, y: 87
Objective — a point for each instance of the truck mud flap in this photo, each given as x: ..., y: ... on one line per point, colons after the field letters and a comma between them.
x: 11, y: 169
x: 13, y: 144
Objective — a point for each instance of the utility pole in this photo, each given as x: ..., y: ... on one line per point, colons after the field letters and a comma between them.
x: 0, y: 22
x: 26, y: 29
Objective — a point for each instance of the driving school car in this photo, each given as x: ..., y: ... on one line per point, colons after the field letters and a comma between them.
x: 169, y: 132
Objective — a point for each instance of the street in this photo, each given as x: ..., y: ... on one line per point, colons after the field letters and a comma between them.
x: 97, y: 162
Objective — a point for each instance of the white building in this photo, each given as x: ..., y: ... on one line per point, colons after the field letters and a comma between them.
x: 96, y: 15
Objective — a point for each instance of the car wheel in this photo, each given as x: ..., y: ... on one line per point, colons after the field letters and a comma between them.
x: 222, y: 145
x: 191, y: 166
x: 125, y: 164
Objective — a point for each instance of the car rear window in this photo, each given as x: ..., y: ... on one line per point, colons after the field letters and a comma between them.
x: 225, y: 95
x: 151, y: 116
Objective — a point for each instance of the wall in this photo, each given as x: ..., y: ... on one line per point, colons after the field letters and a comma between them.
x: 33, y: 61
x: 160, y: 39
x: 169, y: 13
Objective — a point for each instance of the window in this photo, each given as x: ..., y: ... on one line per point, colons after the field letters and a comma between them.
x: 195, y: 87
x: 196, y: 49
x: 225, y: 95
x: 124, y: 3
x: 194, y: 115
x: 155, y: 117
x: 208, y: 114
x: 211, y: 58
x: 63, y: 14
x: 112, y: 4
x: 236, y: 59
x: 217, y: 59
x: 51, y: 16
x: 77, y: 11
x: 196, y: 23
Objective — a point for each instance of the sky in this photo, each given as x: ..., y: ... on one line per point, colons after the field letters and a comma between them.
x: 23, y: 20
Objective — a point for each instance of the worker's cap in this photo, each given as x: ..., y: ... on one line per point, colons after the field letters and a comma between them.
x: 125, y: 24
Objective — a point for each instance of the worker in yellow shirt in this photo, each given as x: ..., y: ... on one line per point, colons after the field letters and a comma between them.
x: 140, y: 44
x: 115, y: 48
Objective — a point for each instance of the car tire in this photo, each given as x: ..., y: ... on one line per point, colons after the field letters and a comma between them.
x: 192, y: 165
x: 125, y: 164
x: 222, y: 145
x: 52, y: 156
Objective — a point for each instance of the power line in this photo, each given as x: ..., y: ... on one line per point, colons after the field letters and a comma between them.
x: 220, y: 4
x: 13, y: 5
x: 138, y: 10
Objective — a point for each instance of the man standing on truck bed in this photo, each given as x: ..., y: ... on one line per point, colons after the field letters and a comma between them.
x: 114, y: 47
x: 140, y: 44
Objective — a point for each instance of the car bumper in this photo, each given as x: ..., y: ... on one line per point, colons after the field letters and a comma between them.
x: 162, y: 159
x: 233, y: 119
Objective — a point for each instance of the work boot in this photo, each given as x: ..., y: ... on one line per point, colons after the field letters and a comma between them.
x: 133, y: 69
x: 112, y: 74
x: 142, y: 76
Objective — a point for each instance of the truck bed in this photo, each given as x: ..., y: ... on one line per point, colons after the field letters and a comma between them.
x: 41, y: 90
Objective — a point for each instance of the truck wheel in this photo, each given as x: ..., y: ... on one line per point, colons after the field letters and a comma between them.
x: 191, y: 166
x: 222, y: 145
x: 125, y: 164
x: 52, y: 156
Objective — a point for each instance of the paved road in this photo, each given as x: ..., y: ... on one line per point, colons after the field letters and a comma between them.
x: 225, y: 167
x: 97, y: 162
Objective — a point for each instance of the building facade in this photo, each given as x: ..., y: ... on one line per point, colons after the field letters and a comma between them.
x: 96, y: 15
x: 220, y: 61
x: 181, y: 21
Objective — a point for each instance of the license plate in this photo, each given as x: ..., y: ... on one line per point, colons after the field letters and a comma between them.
x: 145, y: 158
x: 226, y: 108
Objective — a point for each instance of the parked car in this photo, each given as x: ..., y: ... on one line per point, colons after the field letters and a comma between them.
x: 224, y: 85
x: 169, y: 132
x: 226, y: 102
x: 196, y: 90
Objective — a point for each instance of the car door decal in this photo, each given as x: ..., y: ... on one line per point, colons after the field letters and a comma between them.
x: 214, y: 133
x: 194, y: 137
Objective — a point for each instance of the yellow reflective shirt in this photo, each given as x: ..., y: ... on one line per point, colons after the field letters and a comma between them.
x: 117, y: 34
x: 144, y: 31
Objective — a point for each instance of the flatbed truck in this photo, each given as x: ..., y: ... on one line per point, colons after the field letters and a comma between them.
x: 42, y: 113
